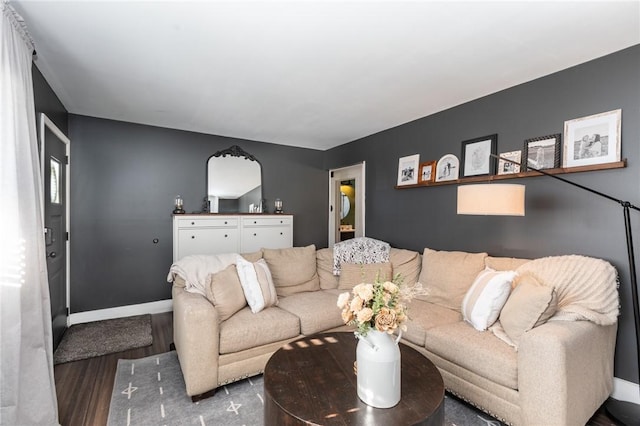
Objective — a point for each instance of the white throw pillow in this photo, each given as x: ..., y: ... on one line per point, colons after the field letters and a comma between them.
x: 483, y: 302
x: 257, y: 284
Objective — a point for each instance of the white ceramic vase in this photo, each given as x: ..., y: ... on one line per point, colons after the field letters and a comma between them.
x: 378, y: 364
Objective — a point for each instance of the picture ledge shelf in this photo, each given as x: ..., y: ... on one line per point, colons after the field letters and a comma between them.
x: 556, y: 171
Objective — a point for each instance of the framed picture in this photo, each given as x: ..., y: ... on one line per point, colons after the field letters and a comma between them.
x: 592, y: 140
x: 476, y: 156
x: 448, y: 168
x: 506, y: 167
x: 408, y: 170
x: 427, y: 171
x: 543, y: 152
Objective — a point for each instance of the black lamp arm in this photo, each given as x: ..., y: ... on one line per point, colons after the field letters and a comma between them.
x: 626, y: 204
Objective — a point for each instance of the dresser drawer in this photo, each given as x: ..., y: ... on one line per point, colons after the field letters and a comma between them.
x: 214, y: 222
x: 208, y: 241
x: 275, y: 237
x: 266, y: 221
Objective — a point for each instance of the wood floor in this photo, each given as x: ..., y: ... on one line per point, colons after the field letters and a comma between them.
x: 84, y: 387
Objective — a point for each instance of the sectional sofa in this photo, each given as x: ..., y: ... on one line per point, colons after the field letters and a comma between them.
x: 546, y: 360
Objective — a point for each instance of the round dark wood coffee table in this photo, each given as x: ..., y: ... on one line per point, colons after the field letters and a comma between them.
x: 312, y: 381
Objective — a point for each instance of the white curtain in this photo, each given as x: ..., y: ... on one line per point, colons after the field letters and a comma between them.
x: 27, y: 386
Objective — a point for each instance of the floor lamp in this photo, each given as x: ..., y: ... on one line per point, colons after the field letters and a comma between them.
x: 506, y: 199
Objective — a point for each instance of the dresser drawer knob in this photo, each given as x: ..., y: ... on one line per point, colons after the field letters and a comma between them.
x: 255, y: 221
x: 193, y: 237
x: 281, y: 233
x: 193, y: 223
x: 225, y: 235
x: 255, y: 234
x: 225, y: 222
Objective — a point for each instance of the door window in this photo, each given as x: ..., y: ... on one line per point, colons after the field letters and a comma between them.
x: 55, y: 181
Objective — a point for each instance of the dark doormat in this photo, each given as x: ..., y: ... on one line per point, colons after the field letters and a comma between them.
x: 98, y: 338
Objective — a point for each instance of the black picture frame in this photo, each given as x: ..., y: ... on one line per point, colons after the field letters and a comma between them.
x: 542, y: 152
x: 476, y: 156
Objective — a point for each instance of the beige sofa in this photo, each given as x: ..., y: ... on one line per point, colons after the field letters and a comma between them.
x: 559, y: 374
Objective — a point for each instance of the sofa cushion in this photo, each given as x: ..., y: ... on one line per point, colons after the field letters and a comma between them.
x: 317, y: 310
x: 293, y: 269
x: 424, y: 316
x: 477, y: 351
x: 406, y: 264
x: 257, y: 284
x: 529, y: 305
x: 504, y: 263
x: 224, y: 290
x: 352, y: 274
x: 487, y: 295
x: 253, y: 256
x: 324, y: 262
x: 447, y: 275
x: 246, y: 330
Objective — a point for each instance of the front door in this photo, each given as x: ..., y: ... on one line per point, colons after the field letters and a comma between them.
x: 55, y: 168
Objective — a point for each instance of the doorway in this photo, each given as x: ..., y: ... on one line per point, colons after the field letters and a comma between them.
x: 54, y: 164
x: 346, y: 203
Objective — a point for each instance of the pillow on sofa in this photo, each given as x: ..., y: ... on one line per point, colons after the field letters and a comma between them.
x: 447, y: 275
x: 505, y: 263
x: 482, y: 304
x: 529, y: 305
x: 253, y: 256
x: 405, y: 263
x: 224, y: 290
x: 257, y: 284
x: 324, y: 259
x: 352, y: 274
x: 293, y: 269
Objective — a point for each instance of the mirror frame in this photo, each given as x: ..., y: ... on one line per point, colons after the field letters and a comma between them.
x: 235, y: 151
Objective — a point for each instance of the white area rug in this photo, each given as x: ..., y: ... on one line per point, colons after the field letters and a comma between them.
x: 150, y: 391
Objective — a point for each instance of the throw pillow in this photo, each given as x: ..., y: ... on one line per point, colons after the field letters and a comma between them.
x: 406, y: 264
x: 504, y: 263
x: 486, y: 297
x: 294, y: 269
x: 529, y: 305
x: 352, y: 274
x: 252, y: 257
x: 224, y: 290
x: 325, y: 269
x: 257, y: 284
x: 447, y: 275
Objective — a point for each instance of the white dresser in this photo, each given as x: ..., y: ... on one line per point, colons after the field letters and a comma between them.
x: 215, y: 234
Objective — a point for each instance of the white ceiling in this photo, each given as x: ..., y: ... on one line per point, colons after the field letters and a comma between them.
x: 313, y: 74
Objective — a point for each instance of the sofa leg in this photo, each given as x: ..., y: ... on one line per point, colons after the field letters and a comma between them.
x: 172, y: 347
x: 202, y: 396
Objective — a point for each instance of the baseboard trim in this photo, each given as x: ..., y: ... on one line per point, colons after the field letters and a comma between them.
x: 121, y: 311
x: 624, y: 390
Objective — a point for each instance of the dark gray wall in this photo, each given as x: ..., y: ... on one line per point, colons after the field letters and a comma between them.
x: 560, y: 219
x: 47, y: 102
x: 124, y: 180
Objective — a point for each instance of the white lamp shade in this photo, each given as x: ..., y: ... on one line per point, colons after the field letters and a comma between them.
x: 492, y: 199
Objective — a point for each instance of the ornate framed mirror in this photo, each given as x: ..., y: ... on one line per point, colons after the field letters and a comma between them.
x: 234, y: 182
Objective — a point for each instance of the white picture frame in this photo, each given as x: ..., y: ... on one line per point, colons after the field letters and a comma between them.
x: 594, y: 139
x: 408, y: 170
x: 448, y: 168
x: 506, y: 167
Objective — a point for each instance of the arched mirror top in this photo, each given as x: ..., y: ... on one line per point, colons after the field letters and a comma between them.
x: 234, y: 182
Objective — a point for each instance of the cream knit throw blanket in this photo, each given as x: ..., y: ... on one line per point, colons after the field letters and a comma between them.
x: 587, y: 288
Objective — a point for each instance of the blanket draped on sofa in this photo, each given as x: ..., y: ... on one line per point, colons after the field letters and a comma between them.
x: 587, y: 288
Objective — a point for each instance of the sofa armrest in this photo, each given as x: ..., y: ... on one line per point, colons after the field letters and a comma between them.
x: 196, y: 337
x: 565, y: 371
